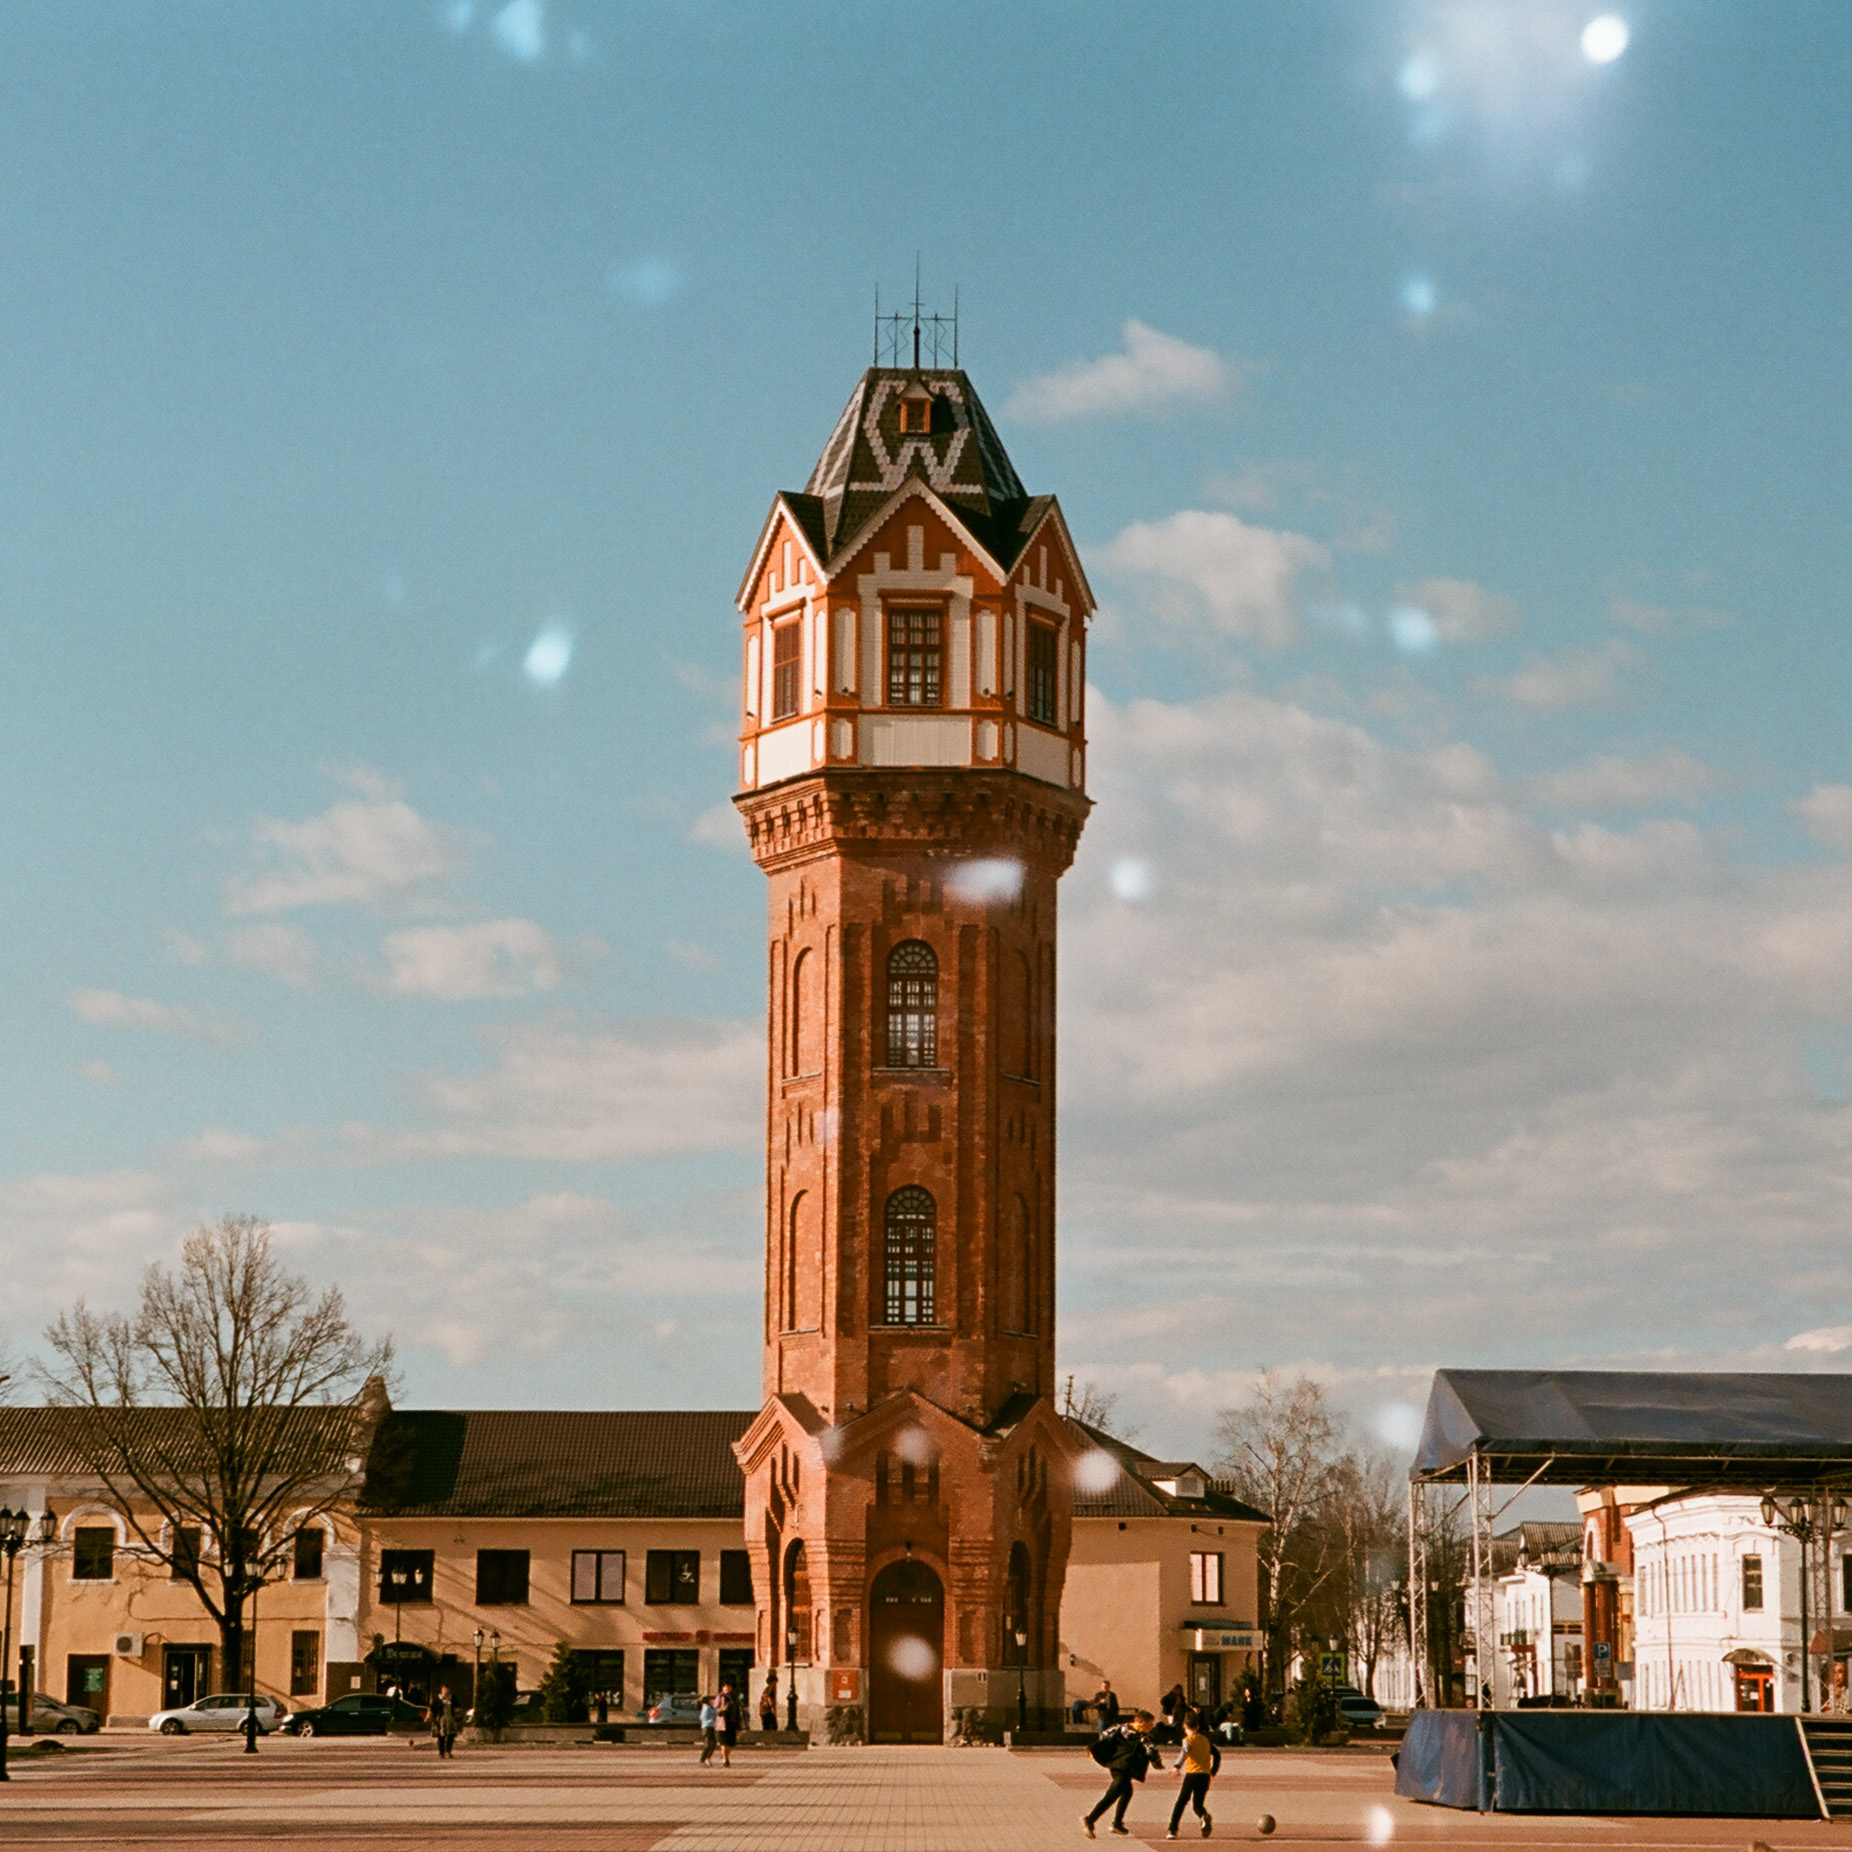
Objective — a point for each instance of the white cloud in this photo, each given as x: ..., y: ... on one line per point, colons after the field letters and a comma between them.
x: 1825, y: 813
x: 1200, y: 564
x: 1662, y: 620
x: 284, y: 951
x: 1151, y: 374
x: 719, y: 827
x: 598, y: 1095
x: 1461, y: 611
x: 491, y: 958
x: 1828, y: 1341
x: 113, y: 1009
x: 363, y: 850
x: 1612, y: 782
x: 1582, y: 677
x: 1393, y: 1073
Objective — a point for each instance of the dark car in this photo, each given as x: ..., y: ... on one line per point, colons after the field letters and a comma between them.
x: 360, y: 1713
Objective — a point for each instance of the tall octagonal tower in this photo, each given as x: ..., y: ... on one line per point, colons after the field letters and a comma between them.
x: 912, y: 771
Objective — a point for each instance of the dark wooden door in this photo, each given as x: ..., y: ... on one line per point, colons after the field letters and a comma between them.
x: 906, y: 1656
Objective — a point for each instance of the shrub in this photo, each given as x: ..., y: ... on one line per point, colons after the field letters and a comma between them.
x: 495, y: 1696
x: 1311, y: 1710
x: 563, y: 1690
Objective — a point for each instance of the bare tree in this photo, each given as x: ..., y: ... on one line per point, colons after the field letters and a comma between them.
x: 220, y: 1417
x: 1280, y: 1451
x: 1368, y: 1510
x: 1095, y: 1407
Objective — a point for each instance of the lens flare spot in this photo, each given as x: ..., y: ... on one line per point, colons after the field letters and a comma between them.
x: 1419, y: 296
x: 1096, y: 1472
x: 1378, y: 1827
x: 1133, y: 878
x: 993, y: 878
x: 1604, y: 38
x: 912, y: 1660
x: 914, y: 1445
x: 549, y: 656
x: 1398, y: 1424
x: 1412, y: 630
x: 1419, y: 76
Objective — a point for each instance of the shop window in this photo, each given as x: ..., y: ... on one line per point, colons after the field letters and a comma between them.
x: 672, y: 1578
x: 501, y: 1578
x: 598, y: 1577
x: 1206, y: 1577
x: 305, y: 1664
x: 405, y: 1576
x: 93, y: 1553
x: 735, y: 1579
x: 307, y: 1563
x: 667, y: 1670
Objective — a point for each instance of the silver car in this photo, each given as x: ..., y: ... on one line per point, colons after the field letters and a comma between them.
x: 50, y: 1718
x: 225, y: 1712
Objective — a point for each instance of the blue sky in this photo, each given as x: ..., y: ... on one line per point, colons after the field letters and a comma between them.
x: 1456, y: 966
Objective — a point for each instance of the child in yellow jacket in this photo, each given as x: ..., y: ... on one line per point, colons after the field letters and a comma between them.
x: 1200, y: 1762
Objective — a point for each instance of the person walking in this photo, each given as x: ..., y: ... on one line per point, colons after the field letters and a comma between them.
x: 1123, y: 1751
x: 1199, y: 1762
x: 710, y: 1730
x: 728, y: 1710
x: 445, y: 1723
x: 768, y: 1708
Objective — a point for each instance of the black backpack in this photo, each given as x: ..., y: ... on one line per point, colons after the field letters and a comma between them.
x: 1102, y: 1749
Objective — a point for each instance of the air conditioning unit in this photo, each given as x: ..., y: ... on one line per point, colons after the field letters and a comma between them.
x: 129, y: 1645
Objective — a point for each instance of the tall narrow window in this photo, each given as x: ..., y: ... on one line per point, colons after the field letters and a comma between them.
x: 787, y: 668
x: 911, y: 1230
x: 1042, y: 674
x: 913, y: 651
x: 912, y: 1005
x: 1752, y: 1582
x: 797, y: 1606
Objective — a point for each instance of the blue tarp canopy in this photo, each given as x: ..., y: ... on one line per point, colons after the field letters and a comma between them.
x: 1742, y: 1432
x: 1607, y: 1762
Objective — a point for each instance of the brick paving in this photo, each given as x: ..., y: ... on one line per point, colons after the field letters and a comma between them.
x: 380, y: 1797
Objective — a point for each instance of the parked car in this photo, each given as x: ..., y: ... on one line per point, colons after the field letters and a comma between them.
x: 674, y: 1707
x: 224, y: 1712
x: 360, y: 1713
x: 1357, y: 1711
x: 50, y: 1718
x: 529, y: 1707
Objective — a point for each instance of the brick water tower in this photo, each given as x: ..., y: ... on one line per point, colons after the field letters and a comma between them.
x: 913, y: 777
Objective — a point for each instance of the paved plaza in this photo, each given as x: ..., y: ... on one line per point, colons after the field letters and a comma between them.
x: 385, y: 1797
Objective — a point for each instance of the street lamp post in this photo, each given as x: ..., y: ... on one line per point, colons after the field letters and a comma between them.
x: 12, y: 1535
x: 1806, y: 1522
x: 475, y: 1679
x: 1022, y: 1675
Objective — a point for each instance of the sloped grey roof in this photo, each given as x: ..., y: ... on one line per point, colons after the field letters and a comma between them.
x: 1134, y: 1495
x: 557, y: 1463
x: 961, y: 458
x: 1714, y: 1431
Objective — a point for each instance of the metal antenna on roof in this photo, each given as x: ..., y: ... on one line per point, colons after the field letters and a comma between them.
x: 916, y: 311
x: 877, y: 324
x: 954, y: 326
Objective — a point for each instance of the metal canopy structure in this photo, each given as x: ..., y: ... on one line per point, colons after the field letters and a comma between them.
x: 1758, y: 1433
x: 1748, y: 1432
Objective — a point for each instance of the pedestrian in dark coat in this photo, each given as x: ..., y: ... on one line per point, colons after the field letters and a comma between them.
x: 768, y: 1708
x: 445, y: 1722
x: 1124, y: 1752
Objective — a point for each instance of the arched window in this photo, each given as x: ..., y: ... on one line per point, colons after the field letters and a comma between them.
x: 911, y: 1228
x: 797, y: 1605
x: 1016, y: 1628
x: 802, y: 1053
x: 912, y: 1006
x: 794, y: 1227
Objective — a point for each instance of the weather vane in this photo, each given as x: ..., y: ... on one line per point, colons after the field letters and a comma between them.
x: 934, y: 334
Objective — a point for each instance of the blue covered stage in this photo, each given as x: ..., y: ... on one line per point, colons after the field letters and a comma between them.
x: 1542, y: 1761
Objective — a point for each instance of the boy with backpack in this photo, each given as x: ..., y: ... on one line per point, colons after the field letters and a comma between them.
x: 1200, y: 1761
x: 1123, y: 1752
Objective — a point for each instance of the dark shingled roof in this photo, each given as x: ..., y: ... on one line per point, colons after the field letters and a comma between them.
x: 618, y: 1463
x: 41, y: 1441
x: 1133, y: 1494
x: 961, y: 458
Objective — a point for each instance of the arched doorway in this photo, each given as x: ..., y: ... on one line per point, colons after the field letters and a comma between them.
x: 906, y: 1655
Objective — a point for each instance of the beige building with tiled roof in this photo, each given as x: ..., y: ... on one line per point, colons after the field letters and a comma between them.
x: 616, y: 1532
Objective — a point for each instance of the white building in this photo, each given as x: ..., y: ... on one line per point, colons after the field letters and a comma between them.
x: 1716, y: 1610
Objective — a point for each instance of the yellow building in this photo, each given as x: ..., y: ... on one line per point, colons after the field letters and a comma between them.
x: 464, y: 1536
